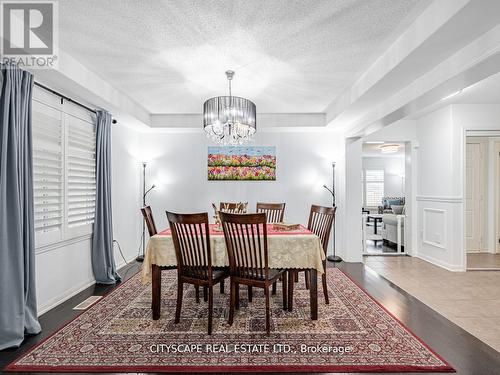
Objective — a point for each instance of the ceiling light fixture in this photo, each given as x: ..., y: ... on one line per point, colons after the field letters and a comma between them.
x: 388, y: 148
x: 229, y: 120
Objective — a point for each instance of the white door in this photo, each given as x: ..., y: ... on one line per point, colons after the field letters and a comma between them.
x: 474, y: 188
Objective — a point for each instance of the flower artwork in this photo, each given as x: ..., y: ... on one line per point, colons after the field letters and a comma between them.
x: 242, y: 163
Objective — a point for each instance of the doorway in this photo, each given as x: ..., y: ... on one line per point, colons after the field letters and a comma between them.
x: 482, y: 185
x: 384, y: 171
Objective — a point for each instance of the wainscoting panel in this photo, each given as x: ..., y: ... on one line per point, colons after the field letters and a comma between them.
x: 435, y: 226
x: 440, y: 231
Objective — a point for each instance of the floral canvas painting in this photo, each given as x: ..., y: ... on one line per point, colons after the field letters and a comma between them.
x: 242, y: 163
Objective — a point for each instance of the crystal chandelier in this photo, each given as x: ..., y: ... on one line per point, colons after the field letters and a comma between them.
x: 229, y: 120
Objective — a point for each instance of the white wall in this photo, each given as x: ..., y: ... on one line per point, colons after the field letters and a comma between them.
x: 439, y: 194
x: 178, y: 165
x: 352, y: 231
x: 126, y: 190
x: 65, y: 269
x: 394, y: 168
x: 441, y: 170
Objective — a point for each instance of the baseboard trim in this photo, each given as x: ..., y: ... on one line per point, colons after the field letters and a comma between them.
x: 439, y: 263
x: 56, y: 301
x: 63, y: 297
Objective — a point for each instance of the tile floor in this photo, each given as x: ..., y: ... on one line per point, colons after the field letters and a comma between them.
x: 483, y: 260
x: 469, y: 299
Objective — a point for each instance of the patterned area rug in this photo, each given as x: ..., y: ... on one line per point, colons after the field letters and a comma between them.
x: 353, y: 334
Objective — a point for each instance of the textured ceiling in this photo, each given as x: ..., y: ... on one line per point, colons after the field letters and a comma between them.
x: 289, y: 55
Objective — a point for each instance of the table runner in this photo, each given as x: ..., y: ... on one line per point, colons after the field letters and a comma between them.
x: 270, y: 231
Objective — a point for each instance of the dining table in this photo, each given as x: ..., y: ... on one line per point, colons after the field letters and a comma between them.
x: 296, y: 249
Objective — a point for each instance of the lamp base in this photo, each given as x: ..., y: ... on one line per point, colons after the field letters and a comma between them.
x: 334, y: 258
x: 140, y: 258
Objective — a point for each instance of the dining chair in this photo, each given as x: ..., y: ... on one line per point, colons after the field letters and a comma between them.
x: 233, y: 208
x: 274, y: 214
x: 148, y: 218
x: 246, y: 244
x: 191, y: 237
x: 274, y: 211
x: 320, y: 222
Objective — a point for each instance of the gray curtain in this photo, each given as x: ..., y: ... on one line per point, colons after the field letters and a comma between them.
x: 18, y: 315
x: 103, y: 260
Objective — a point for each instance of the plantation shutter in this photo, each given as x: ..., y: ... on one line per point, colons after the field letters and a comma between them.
x: 81, y: 179
x: 374, y: 187
x: 48, y: 172
x: 63, y: 169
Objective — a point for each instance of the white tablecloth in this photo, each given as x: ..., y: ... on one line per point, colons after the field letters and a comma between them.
x: 285, y: 251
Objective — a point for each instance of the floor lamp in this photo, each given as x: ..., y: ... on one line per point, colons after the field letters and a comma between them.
x: 334, y: 257
x: 140, y: 257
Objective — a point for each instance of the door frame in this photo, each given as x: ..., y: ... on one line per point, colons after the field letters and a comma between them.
x: 493, y: 133
x: 409, y: 188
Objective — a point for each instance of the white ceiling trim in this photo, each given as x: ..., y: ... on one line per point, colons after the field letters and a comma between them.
x: 427, y: 24
x: 264, y: 120
x: 78, y: 82
x: 472, y: 64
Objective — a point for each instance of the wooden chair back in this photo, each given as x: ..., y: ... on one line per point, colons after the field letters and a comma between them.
x: 320, y: 223
x: 148, y: 218
x: 246, y: 243
x: 191, y: 237
x: 274, y: 211
x: 233, y: 208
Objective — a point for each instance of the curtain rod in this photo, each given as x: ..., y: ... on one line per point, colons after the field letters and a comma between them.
x: 62, y: 96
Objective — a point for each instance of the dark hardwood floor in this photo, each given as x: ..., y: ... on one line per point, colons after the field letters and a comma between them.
x: 467, y: 354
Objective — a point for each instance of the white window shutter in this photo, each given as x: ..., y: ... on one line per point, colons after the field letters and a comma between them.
x: 81, y: 178
x: 64, y: 156
x: 374, y: 187
x: 48, y: 165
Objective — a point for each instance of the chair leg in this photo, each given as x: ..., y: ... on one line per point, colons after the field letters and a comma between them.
x: 250, y: 293
x: 237, y: 302
x: 325, y: 290
x: 296, y: 277
x: 307, y: 278
x: 232, y: 302
x: 210, y: 308
x: 291, y: 280
x: 274, y: 288
x: 284, y: 284
x: 205, y: 294
x: 180, y: 291
x: 268, y: 320
x: 197, y: 293
x: 222, y: 286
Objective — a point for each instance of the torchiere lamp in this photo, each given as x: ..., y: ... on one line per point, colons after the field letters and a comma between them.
x: 334, y: 257
x: 140, y: 257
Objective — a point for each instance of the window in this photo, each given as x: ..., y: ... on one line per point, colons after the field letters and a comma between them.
x: 373, y: 187
x: 63, y: 169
